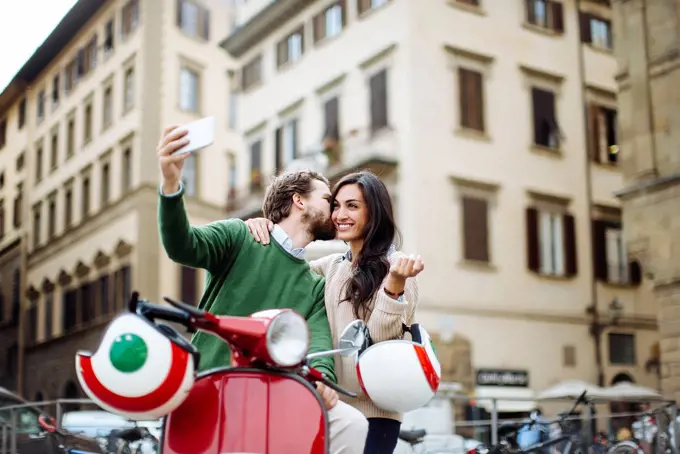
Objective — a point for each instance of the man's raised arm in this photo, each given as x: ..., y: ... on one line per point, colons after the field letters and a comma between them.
x: 198, y: 247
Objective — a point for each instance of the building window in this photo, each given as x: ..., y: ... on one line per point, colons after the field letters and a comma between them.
x: 68, y: 206
x: 103, y: 295
x: 52, y: 216
x: 546, y: 128
x: 188, y: 285
x: 252, y: 73
x: 37, y: 224
x: 122, y: 286
x: 21, y: 161
x: 129, y: 93
x: 130, y: 18
x: 108, y: 107
x: 286, y: 143
x: 471, y: 96
x: 189, y: 174
x: 17, y: 215
x: 55, y: 91
x: 109, y: 37
x: 70, y: 75
x: 233, y: 174
x: 193, y: 19
x: 329, y: 22
x: 22, y: 113
x: 367, y: 5
x: 70, y: 137
x: 41, y: 105
x: 610, y: 257
x: 127, y: 169
x: 39, y: 162
x: 85, y: 196
x: 87, y: 122
x: 188, y: 90
x: 622, y: 349
x: 3, y: 133
x: 546, y: 14
x: 256, y: 165
x: 49, y: 314
x: 603, y: 139
x: 596, y: 31
x: 378, y: 102
x: 105, y: 183
x: 2, y: 219
x: 70, y: 305
x: 31, y: 336
x: 475, y: 213
x: 551, y: 243
x: 331, y: 112
x: 290, y: 49
x: 54, y: 151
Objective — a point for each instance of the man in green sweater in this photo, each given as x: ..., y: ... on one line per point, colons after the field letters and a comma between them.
x: 244, y: 276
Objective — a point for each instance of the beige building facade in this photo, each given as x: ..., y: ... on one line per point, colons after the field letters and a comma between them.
x: 79, y: 125
x: 648, y: 76
x: 495, y: 126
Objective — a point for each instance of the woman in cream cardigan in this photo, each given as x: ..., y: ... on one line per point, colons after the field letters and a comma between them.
x: 371, y: 281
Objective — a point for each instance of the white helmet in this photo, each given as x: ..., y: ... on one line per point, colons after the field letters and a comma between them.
x: 400, y: 375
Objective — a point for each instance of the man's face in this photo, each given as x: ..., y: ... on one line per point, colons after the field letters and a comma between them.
x: 317, y: 214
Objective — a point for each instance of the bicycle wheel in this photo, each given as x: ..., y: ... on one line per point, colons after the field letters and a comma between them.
x: 625, y: 447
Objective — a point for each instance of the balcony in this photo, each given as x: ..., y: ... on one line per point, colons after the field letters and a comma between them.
x: 359, y: 149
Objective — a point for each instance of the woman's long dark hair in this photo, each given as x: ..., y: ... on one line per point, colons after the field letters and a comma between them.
x: 372, y: 265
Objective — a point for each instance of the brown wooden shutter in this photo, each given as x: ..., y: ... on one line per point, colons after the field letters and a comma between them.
x: 282, y: 53
x: 635, y: 272
x: 343, y: 6
x: 188, y: 285
x: 319, y: 25
x: 278, y: 149
x: 570, y: 247
x: 471, y: 99
x: 529, y: 6
x: 533, y: 251
x: 544, y: 115
x: 206, y: 23
x: 379, y: 100
x: 475, y: 229
x: 584, y: 27
x: 600, y: 269
x: 594, y: 132
x: 557, y: 17
x: 363, y: 6
x: 331, y: 108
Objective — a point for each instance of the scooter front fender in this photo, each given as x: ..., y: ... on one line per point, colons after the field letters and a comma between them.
x: 248, y: 411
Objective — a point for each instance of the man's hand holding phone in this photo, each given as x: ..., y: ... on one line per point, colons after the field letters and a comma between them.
x: 171, y: 165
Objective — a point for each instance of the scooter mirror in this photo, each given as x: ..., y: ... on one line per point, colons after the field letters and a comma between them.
x: 353, y: 338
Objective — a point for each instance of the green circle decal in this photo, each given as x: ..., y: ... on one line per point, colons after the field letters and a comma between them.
x: 128, y: 353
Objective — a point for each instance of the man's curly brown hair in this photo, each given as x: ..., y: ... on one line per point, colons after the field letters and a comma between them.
x: 278, y: 198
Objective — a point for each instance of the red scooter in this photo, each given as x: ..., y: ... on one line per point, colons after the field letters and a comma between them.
x: 265, y: 403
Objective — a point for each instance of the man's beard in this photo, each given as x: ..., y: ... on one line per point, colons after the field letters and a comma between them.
x: 319, y: 228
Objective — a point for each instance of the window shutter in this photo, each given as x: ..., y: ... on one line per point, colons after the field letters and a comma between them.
x: 475, y: 229
x: 570, y: 249
x: 635, y: 272
x: 331, y: 113
x: 379, y: 101
x: 463, y: 102
x: 594, y: 132
x: 363, y: 6
x: 533, y: 252
x: 343, y: 8
x: 471, y: 99
x: 600, y: 268
x: 557, y: 16
x: 281, y: 53
x: 278, y: 149
x: 206, y: 24
x: 543, y: 106
x: 477, y: 101
x: 188, y: 283
x: 294, y: 128
x: 584, y: 25
x: 531, y: 16
x: 319, y: 27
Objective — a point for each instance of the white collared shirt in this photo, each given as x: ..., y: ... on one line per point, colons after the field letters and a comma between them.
x: 281, y: 237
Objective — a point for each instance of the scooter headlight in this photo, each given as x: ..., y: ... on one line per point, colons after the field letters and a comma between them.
x: 288, y: 339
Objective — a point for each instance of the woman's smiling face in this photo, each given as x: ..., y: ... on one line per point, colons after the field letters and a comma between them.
x: 350, y: 213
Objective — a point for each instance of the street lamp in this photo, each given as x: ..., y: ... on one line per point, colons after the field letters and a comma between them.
x: 597, y: 327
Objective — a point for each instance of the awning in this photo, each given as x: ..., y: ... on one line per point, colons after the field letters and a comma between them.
x: 509, y: 399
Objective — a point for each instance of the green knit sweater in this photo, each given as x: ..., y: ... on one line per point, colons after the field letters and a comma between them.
x: 243, y: 277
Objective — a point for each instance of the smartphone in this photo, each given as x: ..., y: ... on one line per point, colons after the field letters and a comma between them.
x: 201, y: 133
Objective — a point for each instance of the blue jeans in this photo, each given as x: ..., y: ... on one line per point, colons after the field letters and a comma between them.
x: 383, y: 435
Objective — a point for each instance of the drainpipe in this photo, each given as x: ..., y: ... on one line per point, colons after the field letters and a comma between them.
x: 595, y: 327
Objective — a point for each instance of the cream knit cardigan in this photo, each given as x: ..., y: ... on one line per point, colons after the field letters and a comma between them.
x: 384, y: 323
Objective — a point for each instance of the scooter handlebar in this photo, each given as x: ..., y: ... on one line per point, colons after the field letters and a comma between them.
x: 337, y: 388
